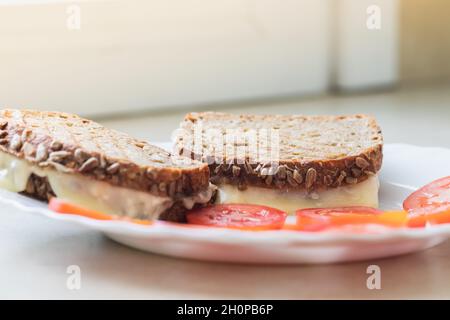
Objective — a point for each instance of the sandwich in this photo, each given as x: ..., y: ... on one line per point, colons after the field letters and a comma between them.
x: 287, y: 162
x: 53, y: 154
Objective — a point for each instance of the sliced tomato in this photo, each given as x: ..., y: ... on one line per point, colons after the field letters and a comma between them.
x: 238, y: 216
x: 66, y: 207
x: 291, y: 226
x: 429, y: 204
x: 316, y: 219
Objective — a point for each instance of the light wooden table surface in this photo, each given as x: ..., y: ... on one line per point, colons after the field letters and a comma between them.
x: 35, y: 251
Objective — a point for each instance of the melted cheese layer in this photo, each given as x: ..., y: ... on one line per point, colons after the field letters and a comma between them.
x: 96, y: 195
x: 362, y: 194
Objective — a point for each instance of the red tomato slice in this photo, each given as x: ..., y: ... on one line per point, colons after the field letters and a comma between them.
x: 238, y: 216
x: 316, y: 219
x: 430, y: 203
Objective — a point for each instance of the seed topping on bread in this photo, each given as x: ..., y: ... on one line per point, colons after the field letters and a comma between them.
x: 71, y: 144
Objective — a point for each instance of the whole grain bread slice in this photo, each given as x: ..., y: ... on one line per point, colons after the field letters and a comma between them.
x: 71, y: 144
x: 313, y: 152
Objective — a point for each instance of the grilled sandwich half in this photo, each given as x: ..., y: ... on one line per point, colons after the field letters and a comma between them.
x: 287, y: 162
x: 53, y: 154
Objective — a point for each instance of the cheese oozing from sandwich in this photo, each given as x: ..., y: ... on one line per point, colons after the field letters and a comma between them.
x: 361, y: 194
x: 92, y: 194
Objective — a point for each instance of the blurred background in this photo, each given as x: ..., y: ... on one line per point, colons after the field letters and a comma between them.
x: 140, y: 65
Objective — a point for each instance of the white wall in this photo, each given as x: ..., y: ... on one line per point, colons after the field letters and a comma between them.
x: 148, y: 54
x: 365, y: 57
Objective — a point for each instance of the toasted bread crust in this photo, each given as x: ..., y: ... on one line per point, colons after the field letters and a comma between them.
x: 311, y: 175
x: 71, y: 144
x: 292, y: 173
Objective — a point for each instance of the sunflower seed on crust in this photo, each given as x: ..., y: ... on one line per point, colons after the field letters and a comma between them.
x: 3, y: 134
x: 217, y: 169
x: 28, y: 149
x: 81, y: 155
x: 89, y: 165
x: 162, y: 187
x: 16, y: 142
x: 3, y: 141
x: 58, y: 155
x: 297, y: 176
x: 311, y: 176
x: 290, y: 179
x: 25, y: 134
x: 103, y: 162
x: 348, y: 163
x: 327, y: 180
x: 113, y: 168
x: 41, y: 153
x: 281, y: 172
x: 361, y: 162
x: 248, y: 168
x: 3, y: 124
x: 341, y: 178
x: 56, y: 146
x: 356, y: 172
x: 264, y: 172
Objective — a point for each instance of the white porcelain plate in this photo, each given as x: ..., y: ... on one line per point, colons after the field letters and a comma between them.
x: 403, y: 171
